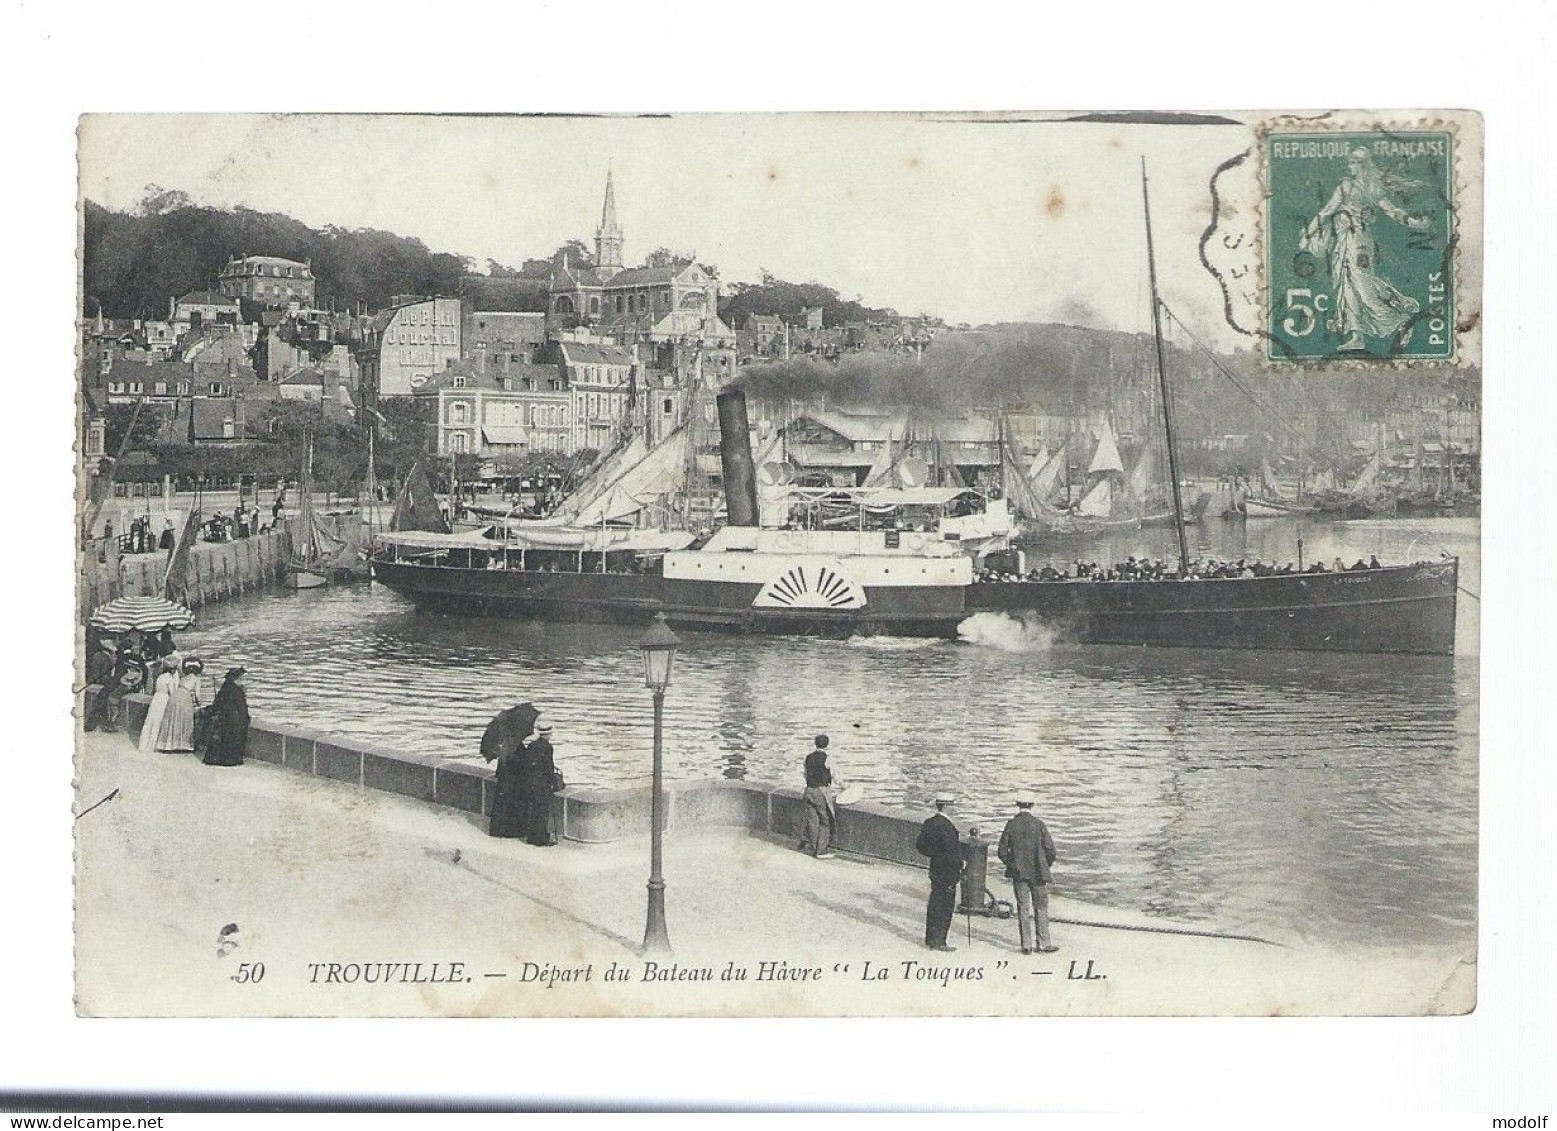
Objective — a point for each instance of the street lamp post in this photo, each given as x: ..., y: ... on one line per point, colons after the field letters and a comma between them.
x: 659, y: 652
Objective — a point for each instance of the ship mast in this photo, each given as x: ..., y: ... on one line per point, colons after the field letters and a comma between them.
x: 1162, y: 380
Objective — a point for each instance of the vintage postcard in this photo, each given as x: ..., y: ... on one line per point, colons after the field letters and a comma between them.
x: 779, y: 565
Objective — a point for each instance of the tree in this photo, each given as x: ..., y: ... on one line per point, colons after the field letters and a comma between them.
x: 148, y: 422
x: 665, y: 257
x: 156, y: 200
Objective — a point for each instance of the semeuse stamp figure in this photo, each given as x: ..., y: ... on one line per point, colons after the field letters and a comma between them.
x: 1360, y: 259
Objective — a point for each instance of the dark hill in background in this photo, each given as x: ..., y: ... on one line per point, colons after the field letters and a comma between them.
x: 134, y: 262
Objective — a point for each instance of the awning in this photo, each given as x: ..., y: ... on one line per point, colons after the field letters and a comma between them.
x: 883, y: 496
x: 509, y: 435
x: 527, y: 536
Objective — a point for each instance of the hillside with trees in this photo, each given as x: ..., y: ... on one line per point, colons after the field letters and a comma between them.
x: 776, y: 296
x: 133, y: 262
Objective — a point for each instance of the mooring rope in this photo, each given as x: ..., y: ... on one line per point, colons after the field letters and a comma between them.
x: 1164, y: 930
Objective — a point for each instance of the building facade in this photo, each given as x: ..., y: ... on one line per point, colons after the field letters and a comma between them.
x: 409, y: 344
x: 268, y: 280
x: 600, y: 382
x: 503, y: 423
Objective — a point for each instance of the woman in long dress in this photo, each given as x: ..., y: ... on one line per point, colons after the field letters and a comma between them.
x: 508, y: 809
x: 178, y: 722
x: 151, y: 729
x: 228, y: 739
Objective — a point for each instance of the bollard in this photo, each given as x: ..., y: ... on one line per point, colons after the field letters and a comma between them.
x: 975, y: 874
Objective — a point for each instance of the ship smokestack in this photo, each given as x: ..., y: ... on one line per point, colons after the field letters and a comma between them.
x: 740, y: 474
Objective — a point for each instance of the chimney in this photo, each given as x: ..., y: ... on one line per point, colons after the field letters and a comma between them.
x: 172, y: 308
x: 740, y: 474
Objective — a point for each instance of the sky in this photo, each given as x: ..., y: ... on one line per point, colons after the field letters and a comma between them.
x: 973, y: 221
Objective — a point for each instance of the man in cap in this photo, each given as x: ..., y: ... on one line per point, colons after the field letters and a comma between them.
x: 1027, y: 851
x: 940, y: 841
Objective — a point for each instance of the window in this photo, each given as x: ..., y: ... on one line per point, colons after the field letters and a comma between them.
x: 459, y: 412
x: 135, y: 387
x: 459, y: 381
x: 216, y: 388
x: 668, y: 407
x: 162, y: 387
x: 459, y: 441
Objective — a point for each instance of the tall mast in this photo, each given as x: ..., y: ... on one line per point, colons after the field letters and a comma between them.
x: 1162, y: 380
x: 372, y: 484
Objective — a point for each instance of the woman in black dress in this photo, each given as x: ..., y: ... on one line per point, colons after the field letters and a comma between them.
x: 227, y: 741
x: 508, y: 802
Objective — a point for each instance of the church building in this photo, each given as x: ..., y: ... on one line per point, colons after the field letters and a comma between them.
x: 677, y: 303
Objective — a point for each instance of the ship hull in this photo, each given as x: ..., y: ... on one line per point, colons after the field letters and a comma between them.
x: 610, y: 598
x: 615, y: 598
x: 1407, y: 609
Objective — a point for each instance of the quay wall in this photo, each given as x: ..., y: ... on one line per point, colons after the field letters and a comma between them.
x: 216, y: 571
x: 583, y: 814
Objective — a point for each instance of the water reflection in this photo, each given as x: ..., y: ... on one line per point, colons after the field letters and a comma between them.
x: 1330, y: 796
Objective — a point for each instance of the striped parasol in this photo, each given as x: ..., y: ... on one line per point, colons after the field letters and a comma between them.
x: 149, y: 614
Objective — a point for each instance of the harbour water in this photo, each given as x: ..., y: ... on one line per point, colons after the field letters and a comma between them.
x: 1290, y: 795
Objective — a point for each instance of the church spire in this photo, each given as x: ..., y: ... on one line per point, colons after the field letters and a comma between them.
x: 608, y: 237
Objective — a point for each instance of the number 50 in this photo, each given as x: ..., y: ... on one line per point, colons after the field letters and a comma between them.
x: 1303, y: 309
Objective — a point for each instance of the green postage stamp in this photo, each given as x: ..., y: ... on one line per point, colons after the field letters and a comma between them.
x: 1360, y: 244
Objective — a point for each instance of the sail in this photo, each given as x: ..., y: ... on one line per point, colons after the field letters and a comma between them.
x: 662, y: 471
x: 600, y: 478
x: 1046, y: 478
x: 1142, y: 476
x: 1367, y: 481
x: 1268, y: 481
x: 1016, y: 487
x: 348, y: 550
x: 175, y: 582
x: 1106, y: 457
x: 880, y: 473
x: 1099, y: 501
x: 417, y: 508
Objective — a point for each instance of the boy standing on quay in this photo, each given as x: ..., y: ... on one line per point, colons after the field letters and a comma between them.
x: 1027, y: 851
x: 819, y: 816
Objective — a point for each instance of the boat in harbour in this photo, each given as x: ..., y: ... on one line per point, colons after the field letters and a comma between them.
x: 862, y: 568
x: 315, y: 547
x: 1403, y: 608
x: 870, y: 580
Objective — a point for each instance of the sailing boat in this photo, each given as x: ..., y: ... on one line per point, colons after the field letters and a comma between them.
x: 1270, y: 503
x: 352, y: 561
x: 316, y: 546
x: 1405, y: 608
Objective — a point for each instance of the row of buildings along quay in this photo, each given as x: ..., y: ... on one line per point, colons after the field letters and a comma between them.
x: 623, y: 349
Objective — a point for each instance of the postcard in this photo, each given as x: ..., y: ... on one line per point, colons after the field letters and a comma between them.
x: 779, y: 565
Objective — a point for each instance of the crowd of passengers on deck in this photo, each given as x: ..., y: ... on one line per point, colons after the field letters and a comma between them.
x: 1155, y: 569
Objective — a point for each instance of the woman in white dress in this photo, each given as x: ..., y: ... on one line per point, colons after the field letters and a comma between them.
x: 178, y: 721
x: 151, y: 729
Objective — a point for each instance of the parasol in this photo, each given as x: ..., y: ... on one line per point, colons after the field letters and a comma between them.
x: 149, y: 614
x: 507, y: 730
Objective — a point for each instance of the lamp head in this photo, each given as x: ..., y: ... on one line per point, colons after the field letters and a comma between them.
x: 658, y: 646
